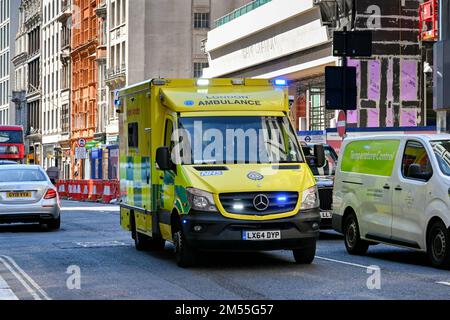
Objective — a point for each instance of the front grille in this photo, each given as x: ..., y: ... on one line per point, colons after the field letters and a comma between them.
x: 326, y: 198
x: 279, y: 202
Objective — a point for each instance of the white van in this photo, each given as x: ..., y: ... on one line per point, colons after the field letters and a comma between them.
x: 396, y: 190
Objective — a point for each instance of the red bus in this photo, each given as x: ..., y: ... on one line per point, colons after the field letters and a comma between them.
x: 11, y: 143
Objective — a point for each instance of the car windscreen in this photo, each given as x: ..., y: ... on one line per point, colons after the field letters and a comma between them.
x: 442, y: 152
x: 7, y: 136
x: 22, y: 175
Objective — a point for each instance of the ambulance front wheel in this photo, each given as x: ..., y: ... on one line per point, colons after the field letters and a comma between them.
x: 185, y: 255
x: 305, y: 255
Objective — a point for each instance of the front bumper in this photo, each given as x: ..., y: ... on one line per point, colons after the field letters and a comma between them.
x: 221, y: 233
x: 32, y: 213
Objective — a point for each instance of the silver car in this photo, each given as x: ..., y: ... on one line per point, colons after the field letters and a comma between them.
x: 27, y: 195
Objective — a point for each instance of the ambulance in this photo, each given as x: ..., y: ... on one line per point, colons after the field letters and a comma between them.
x: 212, y: 165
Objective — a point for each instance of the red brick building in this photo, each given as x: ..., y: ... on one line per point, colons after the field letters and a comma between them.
x: 84, y: 79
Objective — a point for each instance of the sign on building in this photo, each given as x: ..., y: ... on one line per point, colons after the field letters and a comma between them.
x: 80, y: 153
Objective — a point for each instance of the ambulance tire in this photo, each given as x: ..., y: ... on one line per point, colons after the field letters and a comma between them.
x: 185, y: 255
x: 143, y: 242
x: 305, y: 255
x: 438, y: 245
x: 353, y: 242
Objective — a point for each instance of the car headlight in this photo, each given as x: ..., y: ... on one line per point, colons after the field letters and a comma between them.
x: 201, y: 200
x: 310, y: 199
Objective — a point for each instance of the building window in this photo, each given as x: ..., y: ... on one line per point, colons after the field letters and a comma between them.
x: 198, y: 68
x: 65, y: 118
x: 319, y: 117
x: 201, y: 20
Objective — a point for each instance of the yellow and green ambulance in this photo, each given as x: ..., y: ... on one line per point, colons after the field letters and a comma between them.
x: 214, y: 164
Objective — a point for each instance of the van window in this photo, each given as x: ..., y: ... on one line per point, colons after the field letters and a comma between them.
x: 133, y: 135
x: 416, y: 164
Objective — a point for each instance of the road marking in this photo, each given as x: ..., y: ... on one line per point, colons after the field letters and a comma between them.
x: 348, y: 263
x: 92, y: 208
x: 444, y: 283
x: 29, y: 284
x: 5, y: 291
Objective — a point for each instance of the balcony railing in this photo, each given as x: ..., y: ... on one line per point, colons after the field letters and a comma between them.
x: 239, y: 12
x: 117, y: 71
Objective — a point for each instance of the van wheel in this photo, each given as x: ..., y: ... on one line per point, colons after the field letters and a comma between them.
x: 438, y: 248
x: 185, y: 255
x: 353, y: 242
x: 305, y: 255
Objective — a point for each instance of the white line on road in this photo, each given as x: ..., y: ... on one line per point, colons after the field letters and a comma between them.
x: 23, y: 277
x: 347, y: 263
x: 444, y: 283
x: 92, y: 208
x: 5, y: 291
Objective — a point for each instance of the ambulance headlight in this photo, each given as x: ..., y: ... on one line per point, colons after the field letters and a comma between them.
x: 310, y: 199
x: 201, y: 200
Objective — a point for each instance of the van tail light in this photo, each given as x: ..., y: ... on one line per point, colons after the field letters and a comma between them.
x: 50, y: 194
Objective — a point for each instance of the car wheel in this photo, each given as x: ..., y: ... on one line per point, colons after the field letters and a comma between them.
x: 54, y: 224
x: 438, y: 248
x: 305, y: 255
x: 352, y: 238
x: 185, y: 255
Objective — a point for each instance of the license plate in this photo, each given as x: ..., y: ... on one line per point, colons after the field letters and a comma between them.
x: 261, y: 235
x: 326, y: 215
x: 18, y: 195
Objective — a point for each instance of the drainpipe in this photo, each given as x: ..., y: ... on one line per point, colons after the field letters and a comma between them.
x: 441, y: 52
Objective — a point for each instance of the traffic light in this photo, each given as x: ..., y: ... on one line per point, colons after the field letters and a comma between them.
x: 337, y: 95
x: 352, y: 43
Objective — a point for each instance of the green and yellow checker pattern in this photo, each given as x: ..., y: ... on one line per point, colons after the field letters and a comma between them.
x: 135, y: 177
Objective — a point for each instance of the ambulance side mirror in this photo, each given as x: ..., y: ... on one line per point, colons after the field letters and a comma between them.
x: 319, y: 154
x: 163, y: 159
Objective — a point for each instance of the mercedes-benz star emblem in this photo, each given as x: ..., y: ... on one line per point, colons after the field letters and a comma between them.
x: 261, y: 202
x: 255, y: 176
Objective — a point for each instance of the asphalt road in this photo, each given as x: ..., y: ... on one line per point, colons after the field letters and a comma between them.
x: 37, y: 264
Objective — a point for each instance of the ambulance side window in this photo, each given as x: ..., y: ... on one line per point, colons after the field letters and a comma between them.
x: 133, y: 135
x: 168, y: 134
x: 416, y: 164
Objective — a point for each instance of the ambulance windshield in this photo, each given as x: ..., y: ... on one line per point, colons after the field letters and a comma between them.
x: 233, y: 139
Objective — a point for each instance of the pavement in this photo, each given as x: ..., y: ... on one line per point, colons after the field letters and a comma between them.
x: 92, y: 258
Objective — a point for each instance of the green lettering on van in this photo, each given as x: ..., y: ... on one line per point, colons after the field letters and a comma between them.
x: 376, y: 157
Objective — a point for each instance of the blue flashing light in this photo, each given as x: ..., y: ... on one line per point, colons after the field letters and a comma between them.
x: 281, y: 198
x: 184, y: 221
x: 280, y: 82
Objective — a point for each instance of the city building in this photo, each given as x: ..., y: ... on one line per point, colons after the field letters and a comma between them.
x: 51, y: 84
x: 65, y: 87
x: 293, y: 40
x: 20, y: 66
x: 8, y: 29
x: 32, y: 10
x: 84, y: 109
x: 165, y: 41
